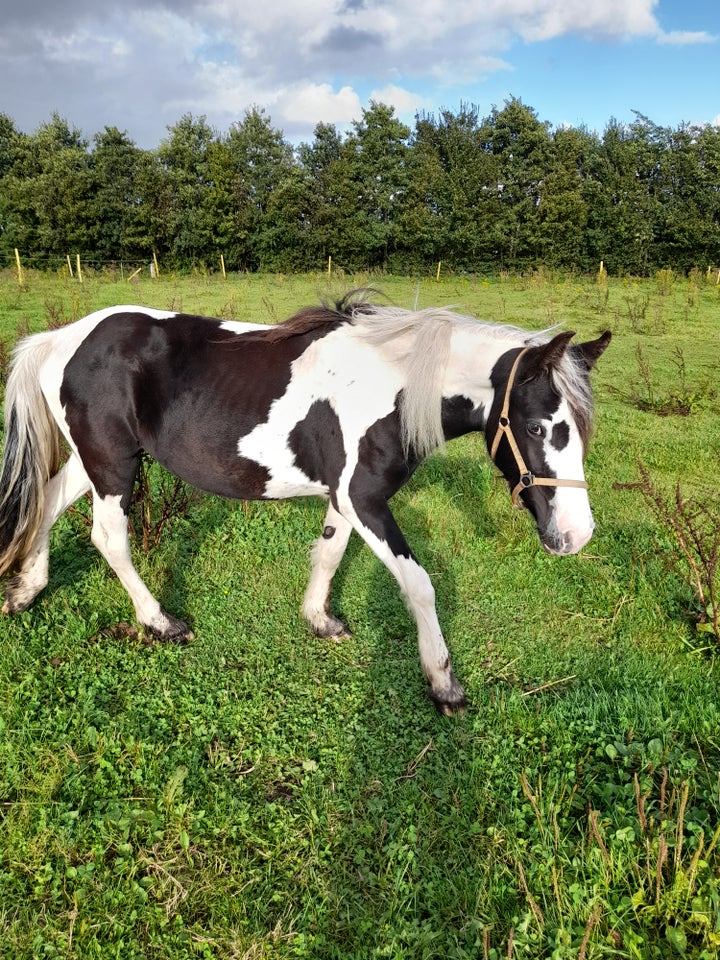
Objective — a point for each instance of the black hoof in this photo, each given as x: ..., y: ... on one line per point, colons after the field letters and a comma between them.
x: 449, y: 702
x: 177, y: 631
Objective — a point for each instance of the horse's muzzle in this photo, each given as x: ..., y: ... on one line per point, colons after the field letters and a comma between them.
x: 566, y: 543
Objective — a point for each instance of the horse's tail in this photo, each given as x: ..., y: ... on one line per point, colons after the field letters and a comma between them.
x: 31, y: 452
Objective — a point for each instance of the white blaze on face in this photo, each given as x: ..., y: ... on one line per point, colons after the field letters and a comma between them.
x: 573, y: 519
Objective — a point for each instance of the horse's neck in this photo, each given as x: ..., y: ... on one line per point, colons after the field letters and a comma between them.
x: 473, y: 355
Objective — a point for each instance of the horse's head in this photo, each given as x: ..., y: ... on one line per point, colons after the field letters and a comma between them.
x: 537, y: 434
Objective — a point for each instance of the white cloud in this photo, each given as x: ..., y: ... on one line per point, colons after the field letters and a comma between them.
x: 682, y: 38
x: 310, y: 103
x: 404, y: 101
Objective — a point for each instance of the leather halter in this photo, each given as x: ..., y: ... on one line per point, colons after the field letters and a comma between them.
x: 527, y: 479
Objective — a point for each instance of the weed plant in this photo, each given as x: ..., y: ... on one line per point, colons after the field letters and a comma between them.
x: 263, y: 793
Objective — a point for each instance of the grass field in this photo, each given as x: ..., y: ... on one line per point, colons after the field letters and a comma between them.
x: 265, y: 794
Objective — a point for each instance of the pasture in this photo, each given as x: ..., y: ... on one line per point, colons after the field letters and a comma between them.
x: 262, y: 793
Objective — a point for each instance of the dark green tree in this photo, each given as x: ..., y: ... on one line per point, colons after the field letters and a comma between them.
x: 521, y: 144
x: 184, y: 158
x: 256, y: 162
x: 423, y: 221
x: 49, y: 188
x: 321, y: 165
x: 10, y: 140
x: 563, y: 214
x: 622, y: 199
x: 368, y: 187
x: 115, y: 229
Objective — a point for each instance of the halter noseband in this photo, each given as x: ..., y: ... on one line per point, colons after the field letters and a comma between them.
x: 527, y: 479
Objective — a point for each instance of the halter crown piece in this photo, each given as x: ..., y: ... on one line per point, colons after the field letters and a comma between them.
x: 527, y: 479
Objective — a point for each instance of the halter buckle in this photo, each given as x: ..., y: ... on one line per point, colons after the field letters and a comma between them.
x: 527, y: 479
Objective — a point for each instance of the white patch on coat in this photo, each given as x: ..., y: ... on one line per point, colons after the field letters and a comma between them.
x: 335, y: 371
x: 572, y: 514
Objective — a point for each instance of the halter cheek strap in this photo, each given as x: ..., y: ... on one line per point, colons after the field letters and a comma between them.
x: 527, y: 479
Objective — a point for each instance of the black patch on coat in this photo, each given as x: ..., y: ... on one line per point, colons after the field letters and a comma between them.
x: 181, y: 388
x: 381, y: 471
x: 560, y: 436
x: 461, y: 416
x: 317, y: 442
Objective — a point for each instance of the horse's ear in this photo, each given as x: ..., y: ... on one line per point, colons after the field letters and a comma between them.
x: 593, y: 349
x: 543, y: 358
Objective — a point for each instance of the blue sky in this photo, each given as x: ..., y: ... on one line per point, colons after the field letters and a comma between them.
x: 140, y: 65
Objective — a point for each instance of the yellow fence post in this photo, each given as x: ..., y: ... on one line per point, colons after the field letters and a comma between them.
x: 437, y: 275
x: 19, y: 266
x: 69, y: 264
x: 329, y: 265
x: 155, y: 262
x: 78, y: 267
x: 222, y: 266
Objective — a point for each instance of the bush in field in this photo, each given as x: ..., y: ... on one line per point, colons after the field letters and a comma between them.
x: 694, y: 525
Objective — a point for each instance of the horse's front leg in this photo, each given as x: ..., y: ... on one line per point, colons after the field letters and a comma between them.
x: 326, y: 556
x: 377, y: 526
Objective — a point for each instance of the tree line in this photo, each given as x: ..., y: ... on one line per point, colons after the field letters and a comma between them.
x: 481, y: 194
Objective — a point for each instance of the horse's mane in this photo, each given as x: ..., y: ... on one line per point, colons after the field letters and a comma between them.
x: 304, y: 321
x: 419, y: 342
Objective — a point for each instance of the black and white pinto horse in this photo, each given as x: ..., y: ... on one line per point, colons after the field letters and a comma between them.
x: 340, y: 402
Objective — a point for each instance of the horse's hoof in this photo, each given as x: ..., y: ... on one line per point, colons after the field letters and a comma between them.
x: 451, y: 701
x: 332, y: 628
x: 176, y: 631
x: 17, y: 599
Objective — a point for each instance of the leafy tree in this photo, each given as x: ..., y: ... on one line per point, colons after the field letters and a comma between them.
x: 10, y: 141
x: 184, y: 158
x: 706, y: 143
x: 563, y: 214
x: 623, y: 199
x: 503, y: 192
x: 258, y: 160
x: 115, y: 226
x: 687, y: 195
x: 521, y: 144
x: 50, y: 187
x: 320, y: 162
x: 368, y: 186
x: 285, y: 242
x: 468, y: 195
x: 423, y: 222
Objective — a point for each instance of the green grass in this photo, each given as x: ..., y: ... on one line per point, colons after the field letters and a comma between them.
x: 265, y: 794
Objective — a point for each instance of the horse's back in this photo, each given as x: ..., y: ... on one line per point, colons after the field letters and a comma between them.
x: 185, y: 389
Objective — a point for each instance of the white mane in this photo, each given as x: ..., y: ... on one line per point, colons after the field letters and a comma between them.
x: 419, y: 341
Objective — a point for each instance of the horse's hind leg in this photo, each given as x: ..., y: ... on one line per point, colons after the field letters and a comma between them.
x: 110, y: 536
x: 326, y: 556
x: 68, y: 484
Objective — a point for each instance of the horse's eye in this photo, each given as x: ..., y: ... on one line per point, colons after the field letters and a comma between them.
x: 535, y: 429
